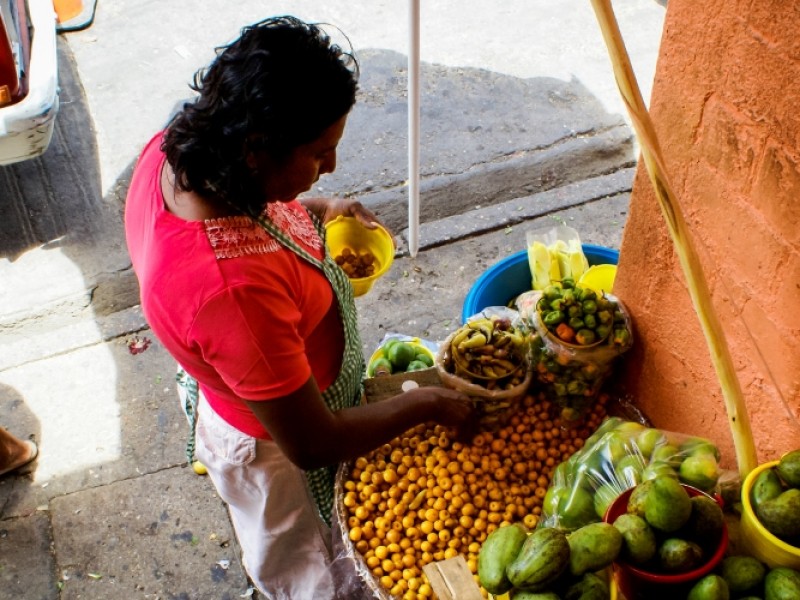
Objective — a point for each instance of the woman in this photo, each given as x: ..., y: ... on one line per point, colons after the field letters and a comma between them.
x: 238, y: 285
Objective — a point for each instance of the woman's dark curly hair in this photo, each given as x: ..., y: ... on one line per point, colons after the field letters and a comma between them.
x: 277, y: 87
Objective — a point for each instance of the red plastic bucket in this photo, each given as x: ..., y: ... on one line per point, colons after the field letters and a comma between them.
x: 637, y: 584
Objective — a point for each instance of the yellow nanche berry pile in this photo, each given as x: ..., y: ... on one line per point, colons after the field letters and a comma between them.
x: 423, y: 497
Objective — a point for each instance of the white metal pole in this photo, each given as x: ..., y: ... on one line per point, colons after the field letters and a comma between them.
x: 413, y: 129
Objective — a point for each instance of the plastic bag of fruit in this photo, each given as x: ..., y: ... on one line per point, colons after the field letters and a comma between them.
x: 578, y: 336
x: 618, y: 456
x: 488, y: 358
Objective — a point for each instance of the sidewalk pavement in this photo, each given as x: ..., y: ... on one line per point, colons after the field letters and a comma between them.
x: 521, y: 128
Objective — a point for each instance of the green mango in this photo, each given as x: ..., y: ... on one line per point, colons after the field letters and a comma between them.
x: 628, y: 470
x: 781, y: 515
x: 576, y: 509
x: 679, y: 556
x: 700, y: 471
x: 424, y: 358
x: 744, y: 574
x: 528, y: 595
x: 648, y: 440
x: 616, y: 446
x: 604, y: 496
x: 630, y: 428
x: 667, y: 506
x: 639, y: 540
x: 609, y: 424
x: 380, y: 366
x: 699, y: 445
x: 637, y: 498
x: 416, y: 365
x: 400, y: 354
x: 710, y: 587
x: 498, y: 551
x: 668, y: 453
x: 552, y: 499
x: 706, y: 521
x: 590, y: 587
x: 593, y: 547
x: 767, y: 485
x: 659, y: 467
x: 544, y: 556
x: 789, y: 468
x: 782, y: 583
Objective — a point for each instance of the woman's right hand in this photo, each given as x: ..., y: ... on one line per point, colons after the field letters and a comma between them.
x: 450, y: 408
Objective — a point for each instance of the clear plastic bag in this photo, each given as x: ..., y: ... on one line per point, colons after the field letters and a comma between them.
x: 618, y: 456
x: 555, y: 254
x: 569, y: 374
x: 494, y: 398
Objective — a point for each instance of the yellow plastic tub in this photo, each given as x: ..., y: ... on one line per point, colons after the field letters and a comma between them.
x: 348, y: 232
x: 599, y: 278
x: 758, y: 541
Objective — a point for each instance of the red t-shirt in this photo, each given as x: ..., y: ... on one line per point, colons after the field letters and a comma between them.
x: 247, y: 318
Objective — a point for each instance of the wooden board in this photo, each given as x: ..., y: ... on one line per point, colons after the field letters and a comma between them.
x: 451, y: 580
x: 381, y: 388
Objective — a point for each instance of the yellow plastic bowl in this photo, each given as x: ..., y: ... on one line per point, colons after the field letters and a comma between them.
x: 599, y: 278
x: 757, y: 539
x: 348, y: 232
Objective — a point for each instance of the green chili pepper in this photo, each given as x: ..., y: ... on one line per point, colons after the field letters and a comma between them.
x: 618, y: 316
x: 590, y: 321
x: 585, y: 337
x: 589, y: 306
x: 576, y: 323
x: 551, y: 292
x: 569, y: 296
x: 589, y: 294
x: 602, y: 331
x: 621, y: 336
x: 604, y: 303
x: 568, y: 283
x: 556, y: 304
x: 553, y: 318
x: 605, y: 316
x: 575, y: 388
x: 574, y: 311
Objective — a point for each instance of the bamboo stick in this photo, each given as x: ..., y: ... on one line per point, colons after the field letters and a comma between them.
x: 738, y: 419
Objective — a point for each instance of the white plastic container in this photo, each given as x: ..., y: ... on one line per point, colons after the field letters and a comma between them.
x: 26, y: 127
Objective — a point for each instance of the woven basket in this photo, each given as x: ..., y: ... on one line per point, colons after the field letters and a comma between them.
x: 344, y: 545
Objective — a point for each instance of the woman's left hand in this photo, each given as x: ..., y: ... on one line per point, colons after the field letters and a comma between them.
x: 348, y: 207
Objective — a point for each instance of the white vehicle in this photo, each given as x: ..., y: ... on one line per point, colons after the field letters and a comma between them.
x: 28, y: 78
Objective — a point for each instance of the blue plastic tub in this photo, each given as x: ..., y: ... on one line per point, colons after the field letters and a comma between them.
x: 508, y: 278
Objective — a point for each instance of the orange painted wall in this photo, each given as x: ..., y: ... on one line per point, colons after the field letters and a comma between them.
x: 726, y: 107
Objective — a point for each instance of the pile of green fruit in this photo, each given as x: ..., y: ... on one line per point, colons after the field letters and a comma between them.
x: 397, y: 356
x: 775, y: 497
x: 747, y: 578
x: 618, y: 456
x: 548, y: 564
x: 579, y: 316
x: 667, y: 530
